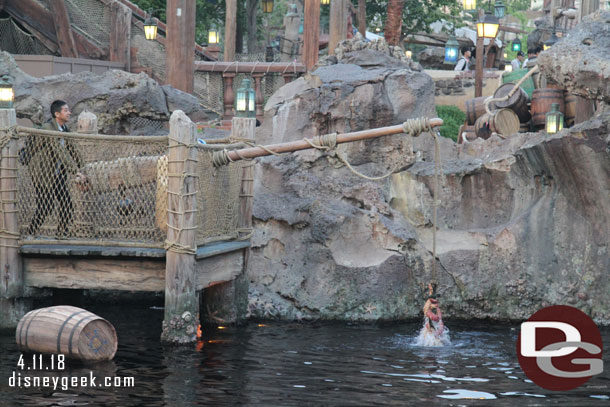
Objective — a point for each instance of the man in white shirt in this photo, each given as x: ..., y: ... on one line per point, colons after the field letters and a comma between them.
x: 463, y: 64
x: 516, y: 63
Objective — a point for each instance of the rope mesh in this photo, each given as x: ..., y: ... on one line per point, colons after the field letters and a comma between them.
x: 92, y: 19
x: 15, y: 40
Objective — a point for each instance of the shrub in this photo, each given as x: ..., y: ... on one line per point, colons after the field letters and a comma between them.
x: 453, y: 118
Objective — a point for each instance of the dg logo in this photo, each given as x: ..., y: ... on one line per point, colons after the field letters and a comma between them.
x: 560, y: 348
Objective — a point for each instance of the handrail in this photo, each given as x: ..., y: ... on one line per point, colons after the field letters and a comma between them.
x: 250, y: 67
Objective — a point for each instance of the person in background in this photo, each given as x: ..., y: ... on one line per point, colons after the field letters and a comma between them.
x: 463, y: 64
x: 516, y: 63
x: 532, y: 54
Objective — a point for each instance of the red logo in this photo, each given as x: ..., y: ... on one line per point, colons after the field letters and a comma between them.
x: 560, y: 348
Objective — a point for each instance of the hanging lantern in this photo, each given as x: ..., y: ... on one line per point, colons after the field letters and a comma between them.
x: 554, y: 119
x: 551, y: 41
x: 469, y: 5
x: 409, y: 54
x: 269, y: 54
x: 487, y: 26
x: 267, y: 6
x: 150, y: 27
x: 508, y: 68
x: 245, y: 100
x: 516, y: 45
x: 213, y: 36
x: 325, y: 2
x: 451, y: 50
x: 505, y: 55
x: 7, y: 95
x: 499, y: 9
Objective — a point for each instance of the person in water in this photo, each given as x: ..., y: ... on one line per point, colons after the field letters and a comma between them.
x: 433, y: 333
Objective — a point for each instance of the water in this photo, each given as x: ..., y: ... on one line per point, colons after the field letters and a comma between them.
x: 310, y: 364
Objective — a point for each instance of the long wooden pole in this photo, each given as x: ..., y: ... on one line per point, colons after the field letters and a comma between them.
x: 230, y: 30
x: 254, y: 152
x: 311, y: 33
x: 180, y: 39
x: 478, y: 74
x: 338, y: 24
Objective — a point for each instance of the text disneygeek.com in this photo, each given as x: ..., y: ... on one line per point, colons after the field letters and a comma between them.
x: 66, y: 382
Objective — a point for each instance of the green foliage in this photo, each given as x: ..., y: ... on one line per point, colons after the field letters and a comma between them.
x: 453, y: 118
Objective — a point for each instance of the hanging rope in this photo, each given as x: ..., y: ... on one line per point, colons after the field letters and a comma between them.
x: 435, y: 202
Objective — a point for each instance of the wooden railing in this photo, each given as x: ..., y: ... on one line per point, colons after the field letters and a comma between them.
x: 257, y: 70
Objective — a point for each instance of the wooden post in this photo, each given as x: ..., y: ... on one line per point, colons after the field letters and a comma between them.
x: 478, y: 74
x: 259, y: 95
x: 181, y: 298
x: 120, y: 34
x: 180, y: 52
x: 291, y: 35
x: 11, y: 273
x: 230, y: 29
x: 87, y: 123
x: 229, y: 96
x: 338, y: 24
x: 228, y: 301
x: 63, y: 29
x: 311, y: 33
x: 362, y: 17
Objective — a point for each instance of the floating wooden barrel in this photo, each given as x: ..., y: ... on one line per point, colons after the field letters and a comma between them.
x: 503, y: 121
x: 542, y: 100
x: 517, y: 102
x: 578, y: 109
x: 74, y: 332
x: 475, y: 108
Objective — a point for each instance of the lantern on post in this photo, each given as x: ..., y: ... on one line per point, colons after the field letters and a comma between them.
x: 213, y: 36
x: 554, y: 119
x: 7, y: 95
x: 267, y: 6
x: 516, y: 45
x: 551, y: 41
x: 499, y: 9
x: 488, y: 25
x: 451, y: 50
x: 409, y: 54
x: 150, y: 27
x: 325, y: 2
x: 245, y: 100
x: 469, y: 5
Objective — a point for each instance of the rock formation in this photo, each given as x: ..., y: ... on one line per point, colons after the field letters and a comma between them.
x: 522, y: 223
x: 120, y: 100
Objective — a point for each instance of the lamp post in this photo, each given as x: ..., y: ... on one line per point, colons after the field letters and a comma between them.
x: 554, y: 119
x: 7, y: 95
x: 213, y: 36
x: 487, y: 27
x: 245, y: 103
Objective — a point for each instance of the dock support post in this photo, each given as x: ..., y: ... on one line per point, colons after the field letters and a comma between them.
x: 228, y: 302
x: 181, y: 297
x: 13, y: 305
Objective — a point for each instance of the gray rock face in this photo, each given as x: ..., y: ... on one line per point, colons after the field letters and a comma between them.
x: 116, y: 97
x: 522, y: 223
x: 581, y: 61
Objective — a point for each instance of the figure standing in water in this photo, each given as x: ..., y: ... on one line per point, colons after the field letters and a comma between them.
x: 433, y: 332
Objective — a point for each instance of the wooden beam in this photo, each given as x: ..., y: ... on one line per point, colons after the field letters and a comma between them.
x: 91, y: 273
x: 250, y: 67
x: 338, y: 24
x: 311, y: 33
x: 86, y: 48
x: 179, y: 53
x: 478, y: 77
x: 362, y: 17
x: 120, y: 34
x: 219, y: 269
x: 230, y: 29
x: 63, y: 28
x: 33, y: 14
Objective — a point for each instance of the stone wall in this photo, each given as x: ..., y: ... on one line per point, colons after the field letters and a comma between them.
x: 455, y: 88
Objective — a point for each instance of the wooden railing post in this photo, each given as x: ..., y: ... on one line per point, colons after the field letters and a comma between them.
x: 11, y: 272
x: 259, y: 95
x: 229, y: 96
x: 181, y: 297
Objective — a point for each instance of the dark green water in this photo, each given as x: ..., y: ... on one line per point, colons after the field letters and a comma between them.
x: 310, y: 364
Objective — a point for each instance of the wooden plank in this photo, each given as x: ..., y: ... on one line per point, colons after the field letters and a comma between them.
x: 338, y: 24
x: 94, y: 251
x: 311, y: 33
x: 107, y: 274
x: 33, y: 14
x: 218, y: 248
x: 180, y: 56
x: 230, y: 29
x: 362, y: 17
x: 181, y: 297
x: 219, y: 269
x: 120, y: 34
x: 63, y: 28
x: 250, y: 67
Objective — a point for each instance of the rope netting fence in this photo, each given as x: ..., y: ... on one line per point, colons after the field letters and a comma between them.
x: 15, y: 40
x: 112, y: 190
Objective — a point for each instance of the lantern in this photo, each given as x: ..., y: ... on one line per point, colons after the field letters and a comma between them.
x: 269, y: 54
x: 267, y: 6
x: 487, y: 26
x: 409, y: 54
x: 245, y: 100
x: 499, y: 9
x: 554, y: 119
x: 516, y: 46
x: 451, y: 50
x: 505, y: 55
x: 7, y: 95
x: 508, y: 68
x: 469, y: 5
x: 213, y: 36
x: 551, y: 41
x: 325, y: 2
x: 150, y: 27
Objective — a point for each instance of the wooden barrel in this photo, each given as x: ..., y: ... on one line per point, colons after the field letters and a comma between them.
x: 524, y: 127
x: 517, y: 102
x: 74, y: 332
x: 502, y: 121
x: 578, y: 109
x: 542, y: 100
x: 475, y: 108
